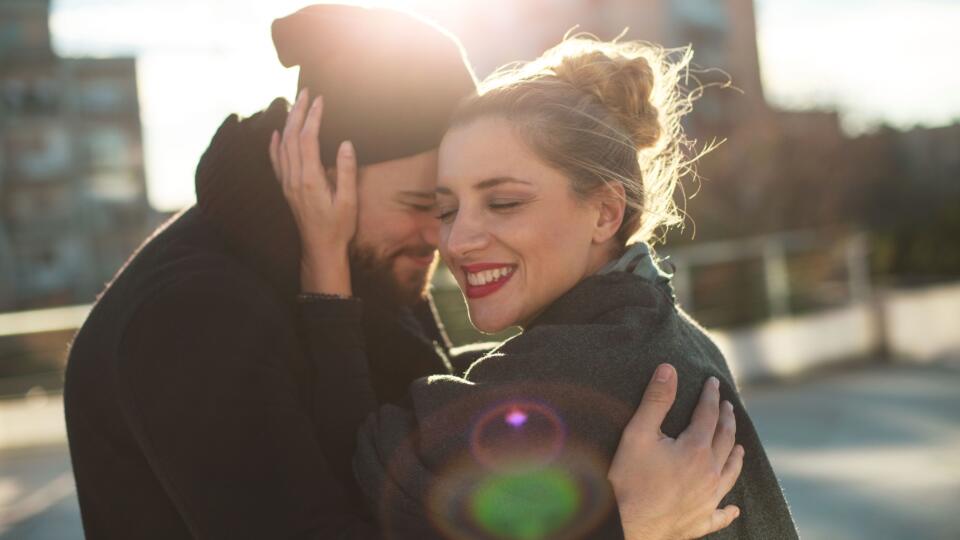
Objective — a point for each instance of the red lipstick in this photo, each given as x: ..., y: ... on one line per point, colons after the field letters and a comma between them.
x: 490, y: 284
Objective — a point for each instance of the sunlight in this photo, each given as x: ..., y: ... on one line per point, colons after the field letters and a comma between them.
x: 883, y: 62
x: 202, y: 60
x: 198, y: 62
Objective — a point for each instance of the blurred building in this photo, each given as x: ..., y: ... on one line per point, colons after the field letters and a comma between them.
x: 73, y: 201
x: 722, y: 32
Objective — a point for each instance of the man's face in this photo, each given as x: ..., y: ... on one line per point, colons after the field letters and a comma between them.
x: 393, y: 251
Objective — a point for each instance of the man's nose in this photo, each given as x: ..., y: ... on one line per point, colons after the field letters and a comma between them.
x: 429, y: 228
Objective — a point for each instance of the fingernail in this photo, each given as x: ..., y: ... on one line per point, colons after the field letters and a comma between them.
x: 663, y: 373
x: 736, y: 512
x: 303, y: 93
x: 316, y: 102
x: 346, y: 148
x: 727, y: 406
x: 714, y: 382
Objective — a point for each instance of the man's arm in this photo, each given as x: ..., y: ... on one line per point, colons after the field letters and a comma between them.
x: 207, y: 389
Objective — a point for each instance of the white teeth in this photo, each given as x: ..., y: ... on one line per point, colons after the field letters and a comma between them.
x: 488, y: 276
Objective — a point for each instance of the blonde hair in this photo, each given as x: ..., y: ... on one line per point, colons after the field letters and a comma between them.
x: 602, y: 112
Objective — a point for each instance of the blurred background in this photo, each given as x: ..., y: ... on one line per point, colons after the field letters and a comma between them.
x: 821, y: 247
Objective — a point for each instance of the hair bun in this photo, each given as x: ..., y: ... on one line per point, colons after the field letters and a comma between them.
x: 623, y: 84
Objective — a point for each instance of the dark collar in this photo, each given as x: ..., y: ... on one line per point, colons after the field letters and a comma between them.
x: 592, y: 298
x: 238, y: 193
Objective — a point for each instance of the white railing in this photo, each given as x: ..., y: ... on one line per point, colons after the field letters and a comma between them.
x: 915, y: 324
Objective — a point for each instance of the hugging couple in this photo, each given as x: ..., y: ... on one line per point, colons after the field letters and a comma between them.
x: 269, y: 363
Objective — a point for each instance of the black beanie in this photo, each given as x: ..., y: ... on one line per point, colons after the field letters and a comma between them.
x: 389, y: 80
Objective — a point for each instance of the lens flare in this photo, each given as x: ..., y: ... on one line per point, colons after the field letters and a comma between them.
x: 526, y: 505
x: 517, y: 434
x: 564, y: 499
x: 516, y: 418
x: 525, y: 474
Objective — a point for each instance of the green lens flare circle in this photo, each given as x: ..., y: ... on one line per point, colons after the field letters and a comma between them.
x: 527, y: 505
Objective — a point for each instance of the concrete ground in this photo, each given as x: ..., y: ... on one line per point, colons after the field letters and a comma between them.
x: 866, y: 453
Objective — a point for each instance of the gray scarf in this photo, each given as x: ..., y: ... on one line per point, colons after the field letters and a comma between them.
x: 639, y: 260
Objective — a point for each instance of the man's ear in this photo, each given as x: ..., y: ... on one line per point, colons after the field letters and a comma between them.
x: 611, y: 203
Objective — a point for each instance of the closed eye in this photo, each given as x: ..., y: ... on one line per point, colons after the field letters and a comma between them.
x: 446, y: 215
x: 421, y: 207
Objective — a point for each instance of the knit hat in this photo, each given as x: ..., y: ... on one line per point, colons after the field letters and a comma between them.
x: 389, y: 80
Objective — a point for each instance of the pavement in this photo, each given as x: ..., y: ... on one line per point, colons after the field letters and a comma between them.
x: 871, y: 452
x: 867, y: 454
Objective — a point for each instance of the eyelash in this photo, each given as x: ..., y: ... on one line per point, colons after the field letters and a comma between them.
x: 497, y: 207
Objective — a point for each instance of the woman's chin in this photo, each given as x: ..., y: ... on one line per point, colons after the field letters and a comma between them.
x: 490, y: 323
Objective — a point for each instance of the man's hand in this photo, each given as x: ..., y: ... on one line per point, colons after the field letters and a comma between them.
x: 670, y: 488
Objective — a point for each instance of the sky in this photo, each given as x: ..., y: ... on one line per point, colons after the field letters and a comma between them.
x: 875, y: 61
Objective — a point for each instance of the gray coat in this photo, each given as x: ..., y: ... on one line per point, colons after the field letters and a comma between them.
x: 520, y: 445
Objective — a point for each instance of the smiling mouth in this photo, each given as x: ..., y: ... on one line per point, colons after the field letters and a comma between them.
x: 485, y: 279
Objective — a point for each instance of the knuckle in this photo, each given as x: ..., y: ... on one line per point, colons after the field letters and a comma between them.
x: 657, y: 395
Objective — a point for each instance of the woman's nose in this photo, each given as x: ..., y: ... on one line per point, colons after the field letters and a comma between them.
x: 465, y: 235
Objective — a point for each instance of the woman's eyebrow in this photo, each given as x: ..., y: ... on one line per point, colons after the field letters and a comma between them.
x: 486, y: 184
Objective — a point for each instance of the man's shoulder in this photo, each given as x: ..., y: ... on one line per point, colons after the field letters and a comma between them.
x: 181, y: 275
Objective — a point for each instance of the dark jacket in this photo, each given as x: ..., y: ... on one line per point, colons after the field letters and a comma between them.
x: 191, y: 398
x: 521, y: 444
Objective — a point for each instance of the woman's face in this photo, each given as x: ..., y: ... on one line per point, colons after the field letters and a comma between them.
x: 512, y: 231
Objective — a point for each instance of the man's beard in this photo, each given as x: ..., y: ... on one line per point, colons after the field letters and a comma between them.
x: 373, y: 279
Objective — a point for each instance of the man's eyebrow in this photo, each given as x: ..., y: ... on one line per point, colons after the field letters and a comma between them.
x: 486, y: 184
x: 426, y: 195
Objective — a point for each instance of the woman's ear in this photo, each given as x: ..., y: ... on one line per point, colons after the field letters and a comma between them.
x: 611, y: 203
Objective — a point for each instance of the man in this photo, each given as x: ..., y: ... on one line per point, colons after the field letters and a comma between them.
x: 189, y: 389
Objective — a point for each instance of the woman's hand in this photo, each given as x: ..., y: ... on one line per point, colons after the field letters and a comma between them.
x: 325, y: 209
x: 670, y: 488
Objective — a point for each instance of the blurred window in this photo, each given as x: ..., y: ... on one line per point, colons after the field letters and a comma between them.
x: 39, y: 152
x: 705, y: 13
x: 46, y: 264
x: 43, y: 96
x: 13, y: 92
x: 108, y: 147
x: 38, y: 97
x: 705, y: 25
x: 115, y: 187
x: 103, y: 96
x: 30, y: 205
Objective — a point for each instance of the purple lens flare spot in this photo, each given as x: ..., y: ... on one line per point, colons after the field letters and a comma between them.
x: 516, y: 417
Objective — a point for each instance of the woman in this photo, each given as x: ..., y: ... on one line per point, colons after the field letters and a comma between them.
x: 551, y: 181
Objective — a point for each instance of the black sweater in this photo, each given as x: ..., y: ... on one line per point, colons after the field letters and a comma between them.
x: 527, y: 434
x: 191, y: 397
